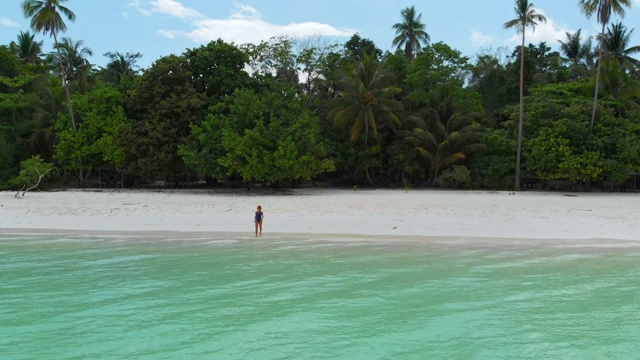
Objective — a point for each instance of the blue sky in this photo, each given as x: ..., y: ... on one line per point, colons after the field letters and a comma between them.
x: 160, y: 27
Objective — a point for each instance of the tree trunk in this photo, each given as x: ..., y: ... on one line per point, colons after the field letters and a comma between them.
x: 598, y: 71
x: 67, y: 94
x: 369, y: 179
x: 366, y: 144
x: 521, y: 122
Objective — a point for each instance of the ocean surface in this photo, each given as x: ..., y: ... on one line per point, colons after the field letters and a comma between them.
x: 119, y: 297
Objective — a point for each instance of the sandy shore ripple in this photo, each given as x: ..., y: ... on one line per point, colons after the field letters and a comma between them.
x: 415, y: 213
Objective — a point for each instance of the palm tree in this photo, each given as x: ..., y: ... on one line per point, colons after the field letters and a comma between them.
x: 617, y: 47
x: 621, y: 71
x: 27, y: 49
x: 577, y: 52
x: 603, y: 9
x: 46, y: 17
x: 121, y: 66
x: 526, y: 16
x: 442, y: 138
x: 366, y: 101
x: 73, y: 56
x: 410, y: 33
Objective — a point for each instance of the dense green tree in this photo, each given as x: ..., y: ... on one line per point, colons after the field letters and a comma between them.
x: 23, y: 87
x: 217, y: 69
x: 490, y: 78
x: 410, y: 33
x: 101, y: 120
x: 282, y: 147
x: 437, y: 66
x: 603, y: 9
x: 204, y: 147
x: 526, y: 16
x: 160, y: 107
x: 312, y: 61
x: 356, y: 46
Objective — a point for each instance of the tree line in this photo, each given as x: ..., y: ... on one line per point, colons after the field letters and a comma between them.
x: 283, y: 112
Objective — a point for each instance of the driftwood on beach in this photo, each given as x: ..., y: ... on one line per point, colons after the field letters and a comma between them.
x: 24, y: 188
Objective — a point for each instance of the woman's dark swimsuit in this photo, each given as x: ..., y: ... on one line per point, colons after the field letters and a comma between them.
x: 258, y: 216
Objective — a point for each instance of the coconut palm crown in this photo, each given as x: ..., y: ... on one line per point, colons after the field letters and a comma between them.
x: 410, y: 33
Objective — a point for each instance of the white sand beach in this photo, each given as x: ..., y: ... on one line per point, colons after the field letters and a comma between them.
x: 417, y: 213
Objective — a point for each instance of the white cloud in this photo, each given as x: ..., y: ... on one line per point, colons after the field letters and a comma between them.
x: 550, y: 32
x: 167, y: 33
x: 244, y: 25
x: 136, y: 5
x: 481, y: 39
x: 8, y: 22
x: 174, y: 8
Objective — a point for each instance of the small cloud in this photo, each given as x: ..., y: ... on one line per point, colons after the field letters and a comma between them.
x: 125, y: 15
x: 247, y: 12
x: 138, y: 6
x: 479, y: 38
x: 174, y: 8
x: 170, y: 34
x: 8, y: 22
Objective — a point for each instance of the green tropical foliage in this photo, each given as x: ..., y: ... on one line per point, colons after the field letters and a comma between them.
x: 286, y: 111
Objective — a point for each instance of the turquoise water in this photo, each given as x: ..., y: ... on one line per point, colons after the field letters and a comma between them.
x: 295, y: 298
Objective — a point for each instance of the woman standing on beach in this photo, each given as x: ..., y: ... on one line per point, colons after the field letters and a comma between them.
x: 258, y: 220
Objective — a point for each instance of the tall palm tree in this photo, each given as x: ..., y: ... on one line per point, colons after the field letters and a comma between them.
x: 410, y: 33
x: 46, y: 17
x: 74, y: 58
x: 577, y: 52
x: 366, y: 101
x: 27, y: 49
x: 603, y: 9
x: 526, y: 16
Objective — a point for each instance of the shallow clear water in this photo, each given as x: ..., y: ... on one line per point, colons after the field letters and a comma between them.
x: 88, y: 298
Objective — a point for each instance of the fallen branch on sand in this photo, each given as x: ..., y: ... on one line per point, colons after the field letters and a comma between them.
x: 40, y: 176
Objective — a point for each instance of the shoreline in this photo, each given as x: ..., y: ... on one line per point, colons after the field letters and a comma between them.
x: 390, y: 214
x: 328, y: 238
